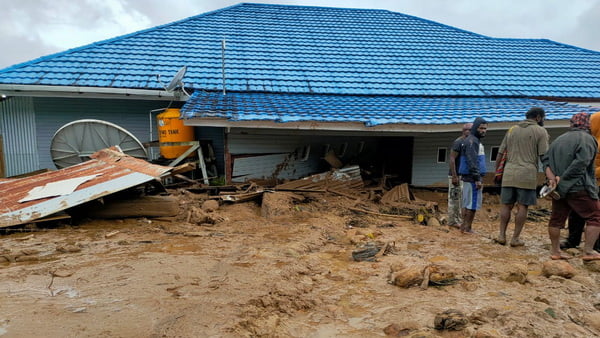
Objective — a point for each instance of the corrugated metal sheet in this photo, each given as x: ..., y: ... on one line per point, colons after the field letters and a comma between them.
x: 112, y: 171
x: 18, y: 129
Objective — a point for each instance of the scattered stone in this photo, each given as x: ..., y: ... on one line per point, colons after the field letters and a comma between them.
x: 573, y: 251
x: 210, y: 205
x: 432, y: 221
x: 517, y: 273
x: 441, y: 275
x: 408, y: 276
x: 558, y: 268
x: 468, y: 286
x: 451, y: 319
x: 401, y: 329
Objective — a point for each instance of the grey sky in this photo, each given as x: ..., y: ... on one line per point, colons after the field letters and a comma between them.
x: 33, y: 28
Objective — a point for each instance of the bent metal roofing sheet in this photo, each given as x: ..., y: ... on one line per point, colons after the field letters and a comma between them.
x: 300, y: 49
x: 108, y: 172
x: 370, y: 110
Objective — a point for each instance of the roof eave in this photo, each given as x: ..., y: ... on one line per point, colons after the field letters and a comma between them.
x: 355, y: 126
x: 88, y: 92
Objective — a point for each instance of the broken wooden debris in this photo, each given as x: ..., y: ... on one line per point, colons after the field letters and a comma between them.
x: 378, y: 213
x: 399, y: 193
x: 339, y: 179
x: 143, y: 206
x: 242, y: 197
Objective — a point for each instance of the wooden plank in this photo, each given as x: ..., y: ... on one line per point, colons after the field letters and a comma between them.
x: 145, y: 206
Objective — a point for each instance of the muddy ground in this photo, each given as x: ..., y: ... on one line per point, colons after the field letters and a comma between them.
x: 290, y: 275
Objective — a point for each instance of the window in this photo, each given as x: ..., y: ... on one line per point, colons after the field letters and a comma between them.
x: 494, y: 153
x: 441, y: 155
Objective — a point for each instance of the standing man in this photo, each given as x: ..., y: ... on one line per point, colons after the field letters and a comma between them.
x: 576, y: 223
x: 525, y: 144
x: 454, y: 182
x: 472, y: 169
x: 569, y: 167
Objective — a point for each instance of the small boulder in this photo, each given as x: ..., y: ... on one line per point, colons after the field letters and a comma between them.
x: 517, y: 273
x: 408, y: 276
x: 400, y: 329
x: 451, y: 319
x: 558, y: 268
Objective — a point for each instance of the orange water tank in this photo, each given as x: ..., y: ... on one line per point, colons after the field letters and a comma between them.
x: 172, y: 129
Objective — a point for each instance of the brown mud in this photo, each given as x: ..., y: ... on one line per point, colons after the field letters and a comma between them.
x: 287, y: 276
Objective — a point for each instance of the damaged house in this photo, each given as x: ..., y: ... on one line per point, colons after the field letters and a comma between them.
x: 281, y: 91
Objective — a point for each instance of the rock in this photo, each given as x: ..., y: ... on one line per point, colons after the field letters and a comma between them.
x: 468, y: 286
x: 451, y: 319
x: 517, y: 273
x: 593, y: 320
x: 408, y: 276
x: 558, y: 268
x: 441, y: 275
x: 542, y: 300
x: 401, y: 329
x: 573, y: 251
x: 210, y: 205
x: 432, y: 221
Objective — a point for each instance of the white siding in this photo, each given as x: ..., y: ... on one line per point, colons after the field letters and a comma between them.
x: 426, y: 169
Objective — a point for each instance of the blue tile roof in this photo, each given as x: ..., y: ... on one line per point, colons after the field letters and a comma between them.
x: 299, y: 49
x: 370, y: 110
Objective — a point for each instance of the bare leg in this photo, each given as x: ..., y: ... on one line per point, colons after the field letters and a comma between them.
x: 520, y: 219
x: 467, y: 220
x: 591, y: 236
x: 505, y: 211
x: 554, y: 241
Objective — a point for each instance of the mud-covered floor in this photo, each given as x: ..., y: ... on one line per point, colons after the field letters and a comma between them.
x: 285, y: 276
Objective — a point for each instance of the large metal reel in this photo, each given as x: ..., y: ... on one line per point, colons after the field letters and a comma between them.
x: 74, y: 142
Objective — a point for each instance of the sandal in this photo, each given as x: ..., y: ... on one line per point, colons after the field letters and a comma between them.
x: 559, y: 257
x: 589, y: 258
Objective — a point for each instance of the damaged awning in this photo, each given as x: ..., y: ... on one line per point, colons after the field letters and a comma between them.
x: 30, y: 198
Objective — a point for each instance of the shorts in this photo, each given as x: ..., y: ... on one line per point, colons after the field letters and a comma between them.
x: 512, y: 195
x: 581, y: 203
x: 471, y: 196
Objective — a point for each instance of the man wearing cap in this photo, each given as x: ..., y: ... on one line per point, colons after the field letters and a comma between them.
x: 569, y: 168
